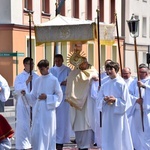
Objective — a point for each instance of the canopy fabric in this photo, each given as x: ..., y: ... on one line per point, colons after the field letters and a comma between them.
x: 107, y: 34
x: 63, y: 28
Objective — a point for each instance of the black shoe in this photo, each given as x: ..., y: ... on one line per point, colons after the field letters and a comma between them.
x: 95, y: 144
x: 73, y: 141
x: 59, y: 146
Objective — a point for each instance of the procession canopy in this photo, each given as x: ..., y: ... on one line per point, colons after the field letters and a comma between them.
x: 62, y: 29
x: 107, y: 33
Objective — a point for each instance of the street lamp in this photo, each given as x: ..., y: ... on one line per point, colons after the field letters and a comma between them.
x: 133, y: 25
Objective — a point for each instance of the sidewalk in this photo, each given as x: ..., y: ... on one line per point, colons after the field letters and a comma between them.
x: 9, y: 114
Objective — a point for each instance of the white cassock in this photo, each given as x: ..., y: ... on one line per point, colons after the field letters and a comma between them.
x: 5, y: 92
x: 63, y: 126
x: 128, y: 81
x: 97, y: 131
x: 115, y: 127
x: 141, y: 140
x: 43, y: 134
x: 23, y: 129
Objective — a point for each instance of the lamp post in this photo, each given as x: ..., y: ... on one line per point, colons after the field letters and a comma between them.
x: 133, y: 25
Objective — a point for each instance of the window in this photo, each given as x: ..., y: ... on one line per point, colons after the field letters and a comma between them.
x: 64, y: 51
x: 49, y: 53
x: 89, y: 10
x: 101, y: 7
x: 112, y: 12
x: 103, y: 56
x: 144, y: 27
x: 114, y: 53
x: 144, y: 57
x: 75, y: 8
x: 45, y: 6
x: 61, y: 5
x: 28, y: 4
x: 91, y: 53
x: 32, y: 49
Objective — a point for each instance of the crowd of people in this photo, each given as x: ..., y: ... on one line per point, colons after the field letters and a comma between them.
x: 61, y: 101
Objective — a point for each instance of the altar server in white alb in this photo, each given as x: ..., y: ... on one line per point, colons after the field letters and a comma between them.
x: 23, y: 122
x: 141, y: 139
x: 60, y: 71
x: 46, y: 96
x: 114, y: 101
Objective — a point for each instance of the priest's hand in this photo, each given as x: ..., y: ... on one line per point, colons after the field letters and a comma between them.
x: 42, y: 96
x: 0, y: 89
x: 139, y: 101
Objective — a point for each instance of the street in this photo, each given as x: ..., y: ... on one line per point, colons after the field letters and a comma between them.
x: 9, y: 114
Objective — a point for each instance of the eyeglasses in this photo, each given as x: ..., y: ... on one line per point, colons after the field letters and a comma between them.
x: 142, y: 72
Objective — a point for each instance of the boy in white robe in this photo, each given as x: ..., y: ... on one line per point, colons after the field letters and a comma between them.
x: 63, y: 126
x: 46, y: 96
x: 141, y: 139
x: 114, y: 101
x: 23, y: 112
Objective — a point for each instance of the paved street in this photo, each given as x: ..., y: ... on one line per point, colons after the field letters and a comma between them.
x: 9, y: 114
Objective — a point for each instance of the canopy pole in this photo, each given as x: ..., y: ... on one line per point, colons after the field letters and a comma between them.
x: 118, y: 43
x: 30, y: 20
x: 30, y: 41
x: 99, y: 66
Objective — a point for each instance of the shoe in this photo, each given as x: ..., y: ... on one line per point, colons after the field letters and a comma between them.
x: 73, y: 141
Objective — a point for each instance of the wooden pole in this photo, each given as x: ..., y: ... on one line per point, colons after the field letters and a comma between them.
x: 137, y: 67
x: 55, y: 43
x: 98, y: 44
x: 30, y: 41
x: 118, y: 43
x: 30, y: 48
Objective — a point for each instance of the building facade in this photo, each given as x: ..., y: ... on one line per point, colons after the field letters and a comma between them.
x: 140, y: 8
x: 14, y: 31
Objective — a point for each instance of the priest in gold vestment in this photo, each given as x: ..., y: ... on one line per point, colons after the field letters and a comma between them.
x: 81, y: 104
